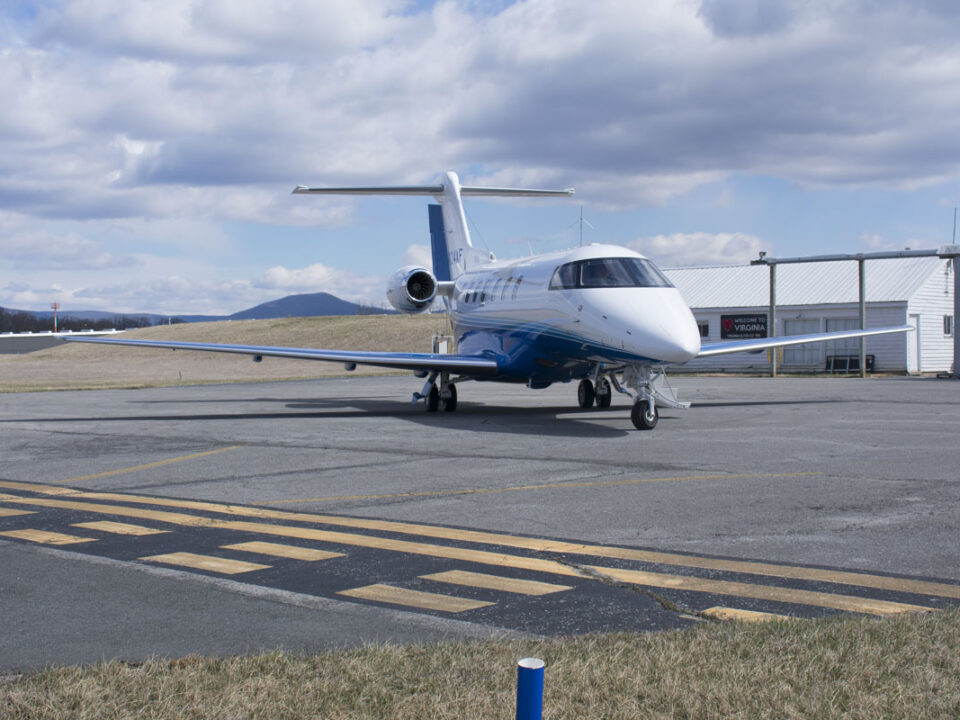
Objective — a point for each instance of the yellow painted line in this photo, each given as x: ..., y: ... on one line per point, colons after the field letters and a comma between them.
x: 844, y: 577
x: 10, y: 512
x: 772, y: 593
x: 206, y: 562
x: 147, y: 466
x: 119, y: 528
x: 572, y: 484
x: 294, y: 552
x: 46, y: 537
x: 483, y: 557
x: 496, y: 582
x: 725, y: 613
x: 414, y: 598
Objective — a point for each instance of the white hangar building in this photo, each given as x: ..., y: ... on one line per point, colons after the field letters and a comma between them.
x: 733, y: 302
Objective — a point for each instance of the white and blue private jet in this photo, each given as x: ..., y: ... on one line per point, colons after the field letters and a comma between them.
x: 600, y: 314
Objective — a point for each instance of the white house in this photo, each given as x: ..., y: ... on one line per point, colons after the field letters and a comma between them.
x: 734, y: 302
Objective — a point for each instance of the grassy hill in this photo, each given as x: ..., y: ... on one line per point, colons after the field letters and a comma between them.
x: 76, y: 366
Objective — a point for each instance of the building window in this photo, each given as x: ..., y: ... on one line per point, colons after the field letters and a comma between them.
x: 948, y: 325
x: 704, y: 326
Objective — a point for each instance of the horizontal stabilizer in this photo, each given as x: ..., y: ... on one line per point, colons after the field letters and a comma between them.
x: 432, y: 190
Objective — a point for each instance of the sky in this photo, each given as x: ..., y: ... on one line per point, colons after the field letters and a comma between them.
x: 148, y: 149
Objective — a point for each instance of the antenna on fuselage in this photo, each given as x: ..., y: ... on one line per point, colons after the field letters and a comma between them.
x: 582, y: 221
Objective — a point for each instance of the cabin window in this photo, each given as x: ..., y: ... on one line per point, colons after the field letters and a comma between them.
x: 506, y: 284
x: 516, y: 288
x: 494, y: 294
x: 608, y: 272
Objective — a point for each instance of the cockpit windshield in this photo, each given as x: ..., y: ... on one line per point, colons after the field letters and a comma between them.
x: 608, y: 272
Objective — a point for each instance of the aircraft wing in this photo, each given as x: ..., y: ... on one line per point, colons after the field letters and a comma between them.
x: 734, y: 346
x: 430, y: 362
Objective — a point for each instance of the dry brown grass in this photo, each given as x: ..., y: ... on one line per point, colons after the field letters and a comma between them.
x: 839, y: 668
x: 75, y: 366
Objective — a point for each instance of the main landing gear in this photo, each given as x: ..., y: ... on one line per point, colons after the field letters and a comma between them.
x: 588, y: 394
x: 434, y: 397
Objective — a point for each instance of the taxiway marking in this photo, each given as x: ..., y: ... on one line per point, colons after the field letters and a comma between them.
x: 414, y: 598
x: 147, y: 466
x: 10, y: 512
x: 206, y: 562
x: 294, y: 552
x: 46, y: 537
x: 725, y: 613
x: 747, y: 567
x: 572, y: 484
x: 119, y: 528
x: 484, y: 557
x: 496, y: 582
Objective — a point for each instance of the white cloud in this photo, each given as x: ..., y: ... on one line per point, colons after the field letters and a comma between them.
x: 418, y: 255
x: 688, y: 249
x: 130, y: 112
x: 321, y: 278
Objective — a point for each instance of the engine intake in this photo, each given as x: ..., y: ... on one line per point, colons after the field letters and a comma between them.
x: 412, y: 289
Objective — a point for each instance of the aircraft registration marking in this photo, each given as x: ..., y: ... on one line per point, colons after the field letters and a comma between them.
x: 496, y: 582
x: 293, y: 552
x: 414, y: 598
x: 119, y: 528
x: 794, y: 572
x: 206, y: 562
x: 484, y: 557
x: 46, y: 537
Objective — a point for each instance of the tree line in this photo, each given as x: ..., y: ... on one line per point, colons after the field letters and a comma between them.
x: 20, y: 321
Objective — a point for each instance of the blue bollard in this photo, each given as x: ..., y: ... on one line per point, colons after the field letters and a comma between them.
x: 530, y: 689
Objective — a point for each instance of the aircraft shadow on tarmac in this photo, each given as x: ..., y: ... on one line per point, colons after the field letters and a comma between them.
x: 548, y: 421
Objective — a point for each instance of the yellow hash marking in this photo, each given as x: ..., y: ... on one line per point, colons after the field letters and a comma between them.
x: 119, y: 528
x: 285, y: 551
x: 844, y: 577
x: 725, y: 613
x: 46, y: 537
x: 483, y: 557
x: 206, y: 562
x: 496, y: 582
x: 414, y: 598
x: 147, y: 466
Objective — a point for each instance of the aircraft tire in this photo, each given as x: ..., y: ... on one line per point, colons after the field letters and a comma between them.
x: 642, y: 417
x: 450, y: 404
x: 604, y: 394
x: 432, y: 402
x: 585, y: 394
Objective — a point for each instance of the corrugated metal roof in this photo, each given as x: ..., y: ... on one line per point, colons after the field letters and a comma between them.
x: 823, y: 283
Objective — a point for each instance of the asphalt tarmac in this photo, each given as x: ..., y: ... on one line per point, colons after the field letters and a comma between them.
x: 309, y: 515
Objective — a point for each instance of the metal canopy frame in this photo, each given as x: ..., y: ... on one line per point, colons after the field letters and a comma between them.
x: 946, y: 252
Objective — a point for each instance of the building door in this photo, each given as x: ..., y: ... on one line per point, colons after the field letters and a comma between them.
x: 809, y: 355
x: 913, y: 345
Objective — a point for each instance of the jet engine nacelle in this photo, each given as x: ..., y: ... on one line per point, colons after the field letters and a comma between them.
x: 412, y: 289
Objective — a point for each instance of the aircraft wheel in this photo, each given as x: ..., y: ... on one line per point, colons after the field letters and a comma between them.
x: 432, y: 401
x: 450, y: 404
x: 585, y: 394
x: 643, y: 417
x: 604, y: 394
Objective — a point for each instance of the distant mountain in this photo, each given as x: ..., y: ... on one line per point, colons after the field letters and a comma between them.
x: 303, y: 305
x: 306, y: 305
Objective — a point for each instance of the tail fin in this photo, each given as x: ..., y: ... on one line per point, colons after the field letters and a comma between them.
x: 449, y: 219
